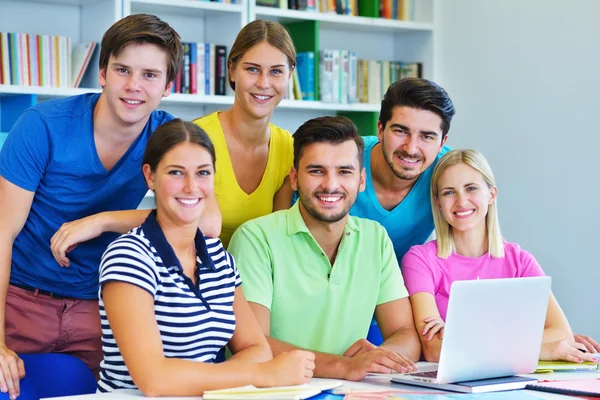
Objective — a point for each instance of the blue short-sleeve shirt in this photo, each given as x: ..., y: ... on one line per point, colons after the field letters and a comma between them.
x: 51, y: 151
x: 194, y: 321
x: 411, y: 221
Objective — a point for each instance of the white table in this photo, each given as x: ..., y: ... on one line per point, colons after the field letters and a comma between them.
x: 370, y: 383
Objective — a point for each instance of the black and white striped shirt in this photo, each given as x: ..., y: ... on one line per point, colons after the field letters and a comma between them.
x: 195, y: 322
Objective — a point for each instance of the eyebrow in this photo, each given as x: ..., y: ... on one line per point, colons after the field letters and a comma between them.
x: 465, y: 185
x: 154, y: 71
x: 258, y: 65
x: 406, y: 128
x: 182, y: 167
x: 311, y: 166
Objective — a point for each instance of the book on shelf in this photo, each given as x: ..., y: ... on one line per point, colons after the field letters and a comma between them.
x: 81, y: 54
x: 345, y: 79
x: 220, y: 69
x: 204, y: 70
x: 305, y: 67
x: 35, y: 60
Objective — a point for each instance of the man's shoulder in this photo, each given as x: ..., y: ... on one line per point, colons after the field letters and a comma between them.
x: 370, y: 141
x: 270, y: 225
x: 71, y: 107
x: 158, y: 117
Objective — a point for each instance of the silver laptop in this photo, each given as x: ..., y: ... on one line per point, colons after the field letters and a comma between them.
x: 493, y: 329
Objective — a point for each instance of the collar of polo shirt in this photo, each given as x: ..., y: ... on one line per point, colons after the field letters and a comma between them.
x: 296, y: 224
x: 155, y: 235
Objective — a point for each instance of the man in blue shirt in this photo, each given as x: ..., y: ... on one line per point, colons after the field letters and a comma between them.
x: 64, y: 160
x: 412, y: 130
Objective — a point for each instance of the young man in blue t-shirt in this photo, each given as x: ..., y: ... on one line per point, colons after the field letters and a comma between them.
x: 64, y: 160
x: 412, y: 130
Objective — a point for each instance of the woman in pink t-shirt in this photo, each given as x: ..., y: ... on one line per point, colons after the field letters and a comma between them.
x: 469, y: 246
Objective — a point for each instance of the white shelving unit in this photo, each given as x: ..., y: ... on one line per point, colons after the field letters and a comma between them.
x: 335, y: 21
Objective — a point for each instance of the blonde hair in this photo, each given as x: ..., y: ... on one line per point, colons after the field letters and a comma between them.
x: 443, y: 229
x: 259, y: 31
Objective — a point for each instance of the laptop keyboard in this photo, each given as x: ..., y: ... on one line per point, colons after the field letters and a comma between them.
x: 428, y: 374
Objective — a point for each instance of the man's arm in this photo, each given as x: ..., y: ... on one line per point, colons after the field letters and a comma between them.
x: 70, y: 234
x: 395, y: 320
x: 328, y: 365
x: 15, y: 204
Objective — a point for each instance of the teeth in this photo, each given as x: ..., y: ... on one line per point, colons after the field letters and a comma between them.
x: 463, y: 213
x: 188, y: 201
x: 409, y: 160
x: 261, y: 97
x: 329, y: 199
x: 133, y: 102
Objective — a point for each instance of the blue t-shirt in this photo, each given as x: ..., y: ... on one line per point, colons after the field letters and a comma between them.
x: 51, y: 151
x: 411, y: 221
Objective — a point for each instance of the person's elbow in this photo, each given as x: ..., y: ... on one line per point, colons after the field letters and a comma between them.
x: 151, y: 381
x: 431, y: 353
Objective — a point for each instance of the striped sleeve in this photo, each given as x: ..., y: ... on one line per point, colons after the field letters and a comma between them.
x: 238, y: 279
x: 128, y: 259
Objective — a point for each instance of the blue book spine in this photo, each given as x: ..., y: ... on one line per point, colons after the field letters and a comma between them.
x: 306, y: 74
x: 207, y: 68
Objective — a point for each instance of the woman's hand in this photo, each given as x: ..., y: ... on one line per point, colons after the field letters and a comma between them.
x: 433, y: 326
x: 290, y: 368
x: 567, y: 350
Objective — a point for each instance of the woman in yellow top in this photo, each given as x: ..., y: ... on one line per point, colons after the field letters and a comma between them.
x: 254, y: 157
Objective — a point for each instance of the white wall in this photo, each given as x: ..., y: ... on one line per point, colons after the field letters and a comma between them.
x: 524, y: 77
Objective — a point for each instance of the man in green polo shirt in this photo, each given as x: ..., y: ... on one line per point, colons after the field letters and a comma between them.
x: 315, y: 276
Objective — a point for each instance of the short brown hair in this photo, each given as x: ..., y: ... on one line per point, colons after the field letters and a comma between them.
x: 328, y: 129
x: 259, y: 31
x: 143, y: 28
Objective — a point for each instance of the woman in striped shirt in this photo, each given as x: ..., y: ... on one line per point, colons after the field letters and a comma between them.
x: 170, y: 297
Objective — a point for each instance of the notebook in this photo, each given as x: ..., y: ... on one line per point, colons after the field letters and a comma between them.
x: 488, y: 335
x: 280, y: 392
x: 582, y: 387
x: 550, y: 366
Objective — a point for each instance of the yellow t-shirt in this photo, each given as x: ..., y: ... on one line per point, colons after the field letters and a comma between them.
x: 236, y: 205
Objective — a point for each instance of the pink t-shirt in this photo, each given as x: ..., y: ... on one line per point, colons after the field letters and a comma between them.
x: 424, y: 271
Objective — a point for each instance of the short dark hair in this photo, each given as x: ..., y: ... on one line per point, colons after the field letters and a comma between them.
x: 334, y: 130
x: 140, y: 29
x: 169, y: 135
x: 421, y: 94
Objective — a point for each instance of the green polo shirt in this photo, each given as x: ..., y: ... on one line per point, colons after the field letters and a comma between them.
x: 314, y: 305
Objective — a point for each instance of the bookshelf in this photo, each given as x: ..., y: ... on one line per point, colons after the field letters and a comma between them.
x: 368, y: 37
x: 214, y: 22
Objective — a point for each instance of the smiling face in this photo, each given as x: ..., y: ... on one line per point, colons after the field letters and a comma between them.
x: 328, y: 180
x: 463, y: 197
x: 411, y: 141
x: 182, y: 181
x: 261, y: 78
x: 134, y: 82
